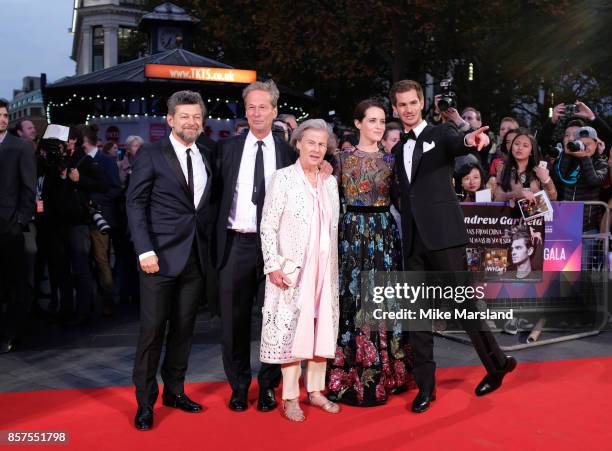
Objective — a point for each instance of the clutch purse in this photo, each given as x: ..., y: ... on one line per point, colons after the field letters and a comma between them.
x: 290, y: 269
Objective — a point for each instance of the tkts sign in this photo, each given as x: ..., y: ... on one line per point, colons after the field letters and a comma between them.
x: 213, y: 74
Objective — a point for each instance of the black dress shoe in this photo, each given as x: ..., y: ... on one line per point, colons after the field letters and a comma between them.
x: 7, y: 346
x: 492, y: 381
x: 423, y: 400
x: 238, y: 401
x: 181, y: 402
x: 267, y: 400
x: 144, y: 419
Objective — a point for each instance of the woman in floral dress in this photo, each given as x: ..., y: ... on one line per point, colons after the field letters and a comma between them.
x: 370, y: 361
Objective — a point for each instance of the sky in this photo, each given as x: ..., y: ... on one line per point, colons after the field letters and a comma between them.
x: 34, y: 38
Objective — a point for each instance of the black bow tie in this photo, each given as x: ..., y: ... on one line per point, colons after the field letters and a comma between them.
x: 404, y: 137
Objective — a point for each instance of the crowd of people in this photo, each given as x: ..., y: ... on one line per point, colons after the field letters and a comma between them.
x: 281, y: 215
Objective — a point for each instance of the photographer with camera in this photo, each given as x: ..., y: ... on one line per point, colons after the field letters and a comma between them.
x: 70, y: 182
x: 104, y: 213
x: 445, y: 109
x: 582, y: 171
x: 571, y: 116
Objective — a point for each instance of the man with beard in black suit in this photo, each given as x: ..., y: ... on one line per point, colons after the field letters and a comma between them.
x: 169, y: 214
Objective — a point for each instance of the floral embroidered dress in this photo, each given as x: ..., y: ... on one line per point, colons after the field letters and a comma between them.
x: 370, y: 361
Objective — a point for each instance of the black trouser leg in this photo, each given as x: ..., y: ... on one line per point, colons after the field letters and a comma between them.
x: 172, y: 299
x: 80, y: 245
x: 241, y: 283
x: 12, y: 282
x: 189, y: 289
x: 421, y: 341
x: 30, y: 249
x: 450, y: 261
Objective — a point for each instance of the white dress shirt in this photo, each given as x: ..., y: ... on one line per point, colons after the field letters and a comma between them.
x: 92, y: 152
x: 409, y: 149
x: 199, y: 170
x: 200, y: 176
x: 243, y: 214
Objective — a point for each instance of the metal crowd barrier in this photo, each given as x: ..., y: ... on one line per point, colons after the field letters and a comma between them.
x: 595, y: 261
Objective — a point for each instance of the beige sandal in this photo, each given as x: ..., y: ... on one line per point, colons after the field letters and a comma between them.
x: 292, y: 411
x: 319, y: 400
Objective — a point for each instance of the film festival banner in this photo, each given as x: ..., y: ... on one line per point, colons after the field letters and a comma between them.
x: 525, y: 257
x: 508, y: 257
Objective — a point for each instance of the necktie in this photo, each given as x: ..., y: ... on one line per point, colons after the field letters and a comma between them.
x: 259, y: 174
x: 404, y: 137
x: 190, y: 173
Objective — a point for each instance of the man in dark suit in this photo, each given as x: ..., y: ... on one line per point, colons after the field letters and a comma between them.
x: 244, y: 165
x: 17, y: 200
x: 169, y: 214
x: 433, y: 229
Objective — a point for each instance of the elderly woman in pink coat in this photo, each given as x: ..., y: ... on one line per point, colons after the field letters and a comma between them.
x: 299, y: 236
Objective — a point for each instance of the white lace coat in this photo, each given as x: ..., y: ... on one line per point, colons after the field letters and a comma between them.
x: 285, y: 229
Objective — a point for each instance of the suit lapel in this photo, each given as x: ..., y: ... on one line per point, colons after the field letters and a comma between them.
x: 400, y: 166
x: 235, y: 156
x: 175, y: 166
x: 280, y: 160
x: 418, y: 152
x: 206, y: 193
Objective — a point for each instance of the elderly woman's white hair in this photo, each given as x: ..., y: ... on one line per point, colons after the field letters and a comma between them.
x: 130, y: 139
x: 313, y: 124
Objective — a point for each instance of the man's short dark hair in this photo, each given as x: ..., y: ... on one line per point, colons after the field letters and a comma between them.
x: 19, y: 124
x: 185, y: 98
x: 4, y: 103
x: 90, y: 132
x: 575, y: 123
x: 405, y: 86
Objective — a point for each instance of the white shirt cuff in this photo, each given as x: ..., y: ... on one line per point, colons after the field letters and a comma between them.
x: 141, y: 257
x: 465, y: 142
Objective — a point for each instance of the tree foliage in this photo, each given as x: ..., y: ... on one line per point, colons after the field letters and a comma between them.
x: 351, y: 49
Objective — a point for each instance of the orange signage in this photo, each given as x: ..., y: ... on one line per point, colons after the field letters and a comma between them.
x: 200, y: 73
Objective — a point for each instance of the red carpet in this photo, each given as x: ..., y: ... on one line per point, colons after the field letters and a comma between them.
x: 542, y: 406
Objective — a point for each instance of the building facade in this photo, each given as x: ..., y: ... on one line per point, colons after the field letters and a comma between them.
x: 103, y: 33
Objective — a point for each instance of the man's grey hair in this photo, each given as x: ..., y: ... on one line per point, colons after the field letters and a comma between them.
x: 312, y: 124
x: 185, y: 98
x: 267, y: 86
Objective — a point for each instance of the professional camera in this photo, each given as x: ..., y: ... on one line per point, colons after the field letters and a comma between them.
x: 570, y: 110
x: 575, y: 146
x: 98, y: 219
x: 56, y: 152
x: 448, y: 99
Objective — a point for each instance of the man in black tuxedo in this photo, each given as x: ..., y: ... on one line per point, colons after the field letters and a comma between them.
x: 433, y: 229
x: 17, y: 201
x: 169, y: 215
x: 244, y: 165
